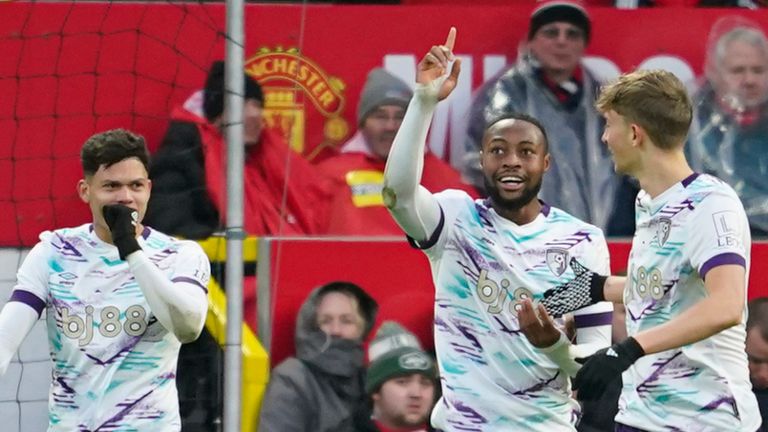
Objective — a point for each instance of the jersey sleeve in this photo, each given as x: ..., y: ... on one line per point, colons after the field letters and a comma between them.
x: 192, y: 266
x: 718, y: 233
x: 32, y: 278
x: 452, y: 204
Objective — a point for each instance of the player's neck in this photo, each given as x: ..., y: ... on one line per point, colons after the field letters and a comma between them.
x: 662, y: 171
x: 521, y: 215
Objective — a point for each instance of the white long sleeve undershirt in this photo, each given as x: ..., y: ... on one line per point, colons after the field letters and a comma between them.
x: 180, y: 307
x: 411, y: 205
x: 16, y: 321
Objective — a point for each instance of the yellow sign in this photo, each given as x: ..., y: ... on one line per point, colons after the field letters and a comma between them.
x: 283, y: 108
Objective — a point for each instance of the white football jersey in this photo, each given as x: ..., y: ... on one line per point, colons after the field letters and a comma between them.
x: 681, y: 234
x: 114, y: 364
x: 482, y: 266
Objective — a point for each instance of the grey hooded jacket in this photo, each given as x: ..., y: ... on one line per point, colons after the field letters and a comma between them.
x: 320, y: 389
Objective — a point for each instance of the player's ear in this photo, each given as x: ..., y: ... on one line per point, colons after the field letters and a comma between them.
x: 82, y: 190
x: 546, y: 162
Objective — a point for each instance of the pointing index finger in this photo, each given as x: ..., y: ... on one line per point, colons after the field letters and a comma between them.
x: 451, y: 38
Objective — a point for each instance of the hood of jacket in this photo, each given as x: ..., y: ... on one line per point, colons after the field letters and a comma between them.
x: 327, y: 354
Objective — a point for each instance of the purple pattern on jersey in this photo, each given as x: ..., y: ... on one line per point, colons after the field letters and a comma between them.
x: 669, y: 368
x: 531, y: 392
x: 671, y: 211
x: 467, y: 413
x: 483, y: 213
x: 67, y: 247
x: 725, y: 400
x: 505, y: 329
x: 473, y: 351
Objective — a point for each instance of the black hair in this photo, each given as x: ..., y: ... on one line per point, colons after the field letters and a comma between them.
x: 523, y: 117
x: 110, y: 147
x: 213, y: 94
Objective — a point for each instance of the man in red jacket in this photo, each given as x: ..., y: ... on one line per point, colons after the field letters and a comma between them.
x: 357, y: 173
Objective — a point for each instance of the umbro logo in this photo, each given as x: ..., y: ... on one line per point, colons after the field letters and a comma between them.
x: 611, y: 353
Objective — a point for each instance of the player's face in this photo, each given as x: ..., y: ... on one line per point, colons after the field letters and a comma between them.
x: 744, y: 71
x: 514, y: 159
x: 558, y: 47
x: 618, y: 136
x: 125, y: 182
x: 338, y: 315
x: 405, y: 402
x: 380, y: 128
x: 757, y: 353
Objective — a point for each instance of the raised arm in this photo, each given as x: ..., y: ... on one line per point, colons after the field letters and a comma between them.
x: 413, y: 207
x: 180, y: 304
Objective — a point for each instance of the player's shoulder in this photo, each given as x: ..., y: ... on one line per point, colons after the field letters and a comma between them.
x: 558, y: 218
x: 160, y: 240
x: 70, y: 237
x: 712, y: 191
x: 453, y: 197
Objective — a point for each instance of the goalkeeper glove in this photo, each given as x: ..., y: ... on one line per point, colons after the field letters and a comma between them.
x: 122, y: 222
x: 583, y: 290
x: 604, y: 366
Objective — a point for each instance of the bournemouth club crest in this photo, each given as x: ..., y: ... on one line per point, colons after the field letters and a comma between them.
x: 662, y: 230
x: 557, y: 260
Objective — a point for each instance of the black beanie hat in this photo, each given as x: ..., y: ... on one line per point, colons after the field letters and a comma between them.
x: 560, y: 11
x: 213, y: 94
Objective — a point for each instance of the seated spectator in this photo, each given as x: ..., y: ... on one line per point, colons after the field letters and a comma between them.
x: 757, y: 354
x: 549, y: 83
x: 730, y: 127
x: 357, y: 207
x: 189, y: 180
x: 401, y: 383
x: 321, y: 388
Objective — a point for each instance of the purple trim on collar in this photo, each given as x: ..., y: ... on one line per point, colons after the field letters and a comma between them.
x: 688, y: 180
x: 593, y: 320
x: 545, y: 208
x: 722, y: 259
x: 28, y: 299
x: 189, y: 280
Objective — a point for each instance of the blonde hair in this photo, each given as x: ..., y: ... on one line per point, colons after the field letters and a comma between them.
x: 655, y: 100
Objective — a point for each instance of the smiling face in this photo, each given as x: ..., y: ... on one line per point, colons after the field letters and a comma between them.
x: 380, y: 127
x: 125, y: 182
x: 514, y: 158
x: 405, y: 401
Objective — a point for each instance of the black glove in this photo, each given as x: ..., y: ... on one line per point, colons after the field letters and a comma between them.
x: 583, y: 290
x: 604, y: 366
x: 122, y: 221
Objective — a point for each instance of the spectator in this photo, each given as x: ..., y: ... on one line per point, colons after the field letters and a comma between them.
x: 400, y: 382
x: 358, y: 172
x: 730, y: 128
x: 321, y: 388
x: 757, y: 354
x: 549, y: 83
x: 188, y: 173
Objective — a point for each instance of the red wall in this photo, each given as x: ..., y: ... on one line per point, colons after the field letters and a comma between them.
x: 70, y: 69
